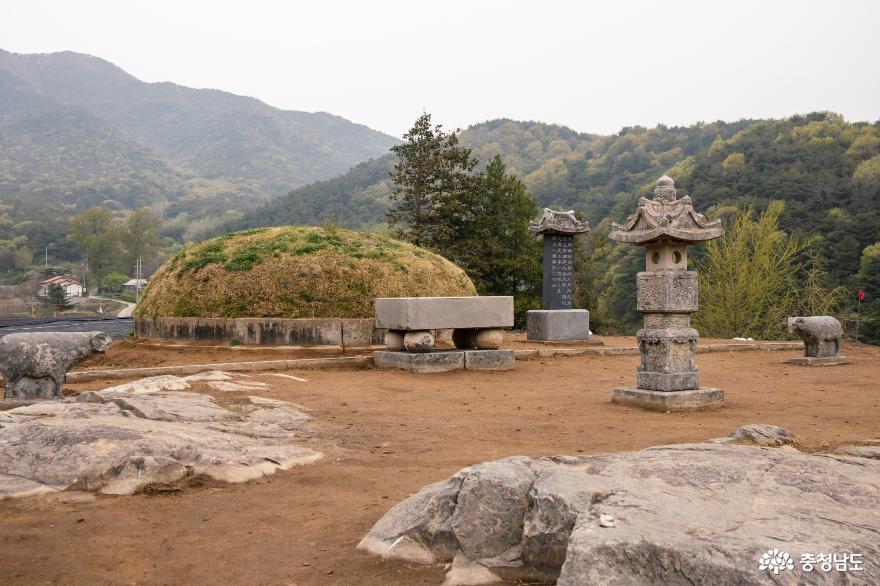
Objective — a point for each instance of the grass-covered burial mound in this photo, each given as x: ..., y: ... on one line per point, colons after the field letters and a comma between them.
x: 296, y: 272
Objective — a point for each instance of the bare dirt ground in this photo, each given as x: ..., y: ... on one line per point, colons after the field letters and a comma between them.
x: 385, y: 434
x: 134, y: 353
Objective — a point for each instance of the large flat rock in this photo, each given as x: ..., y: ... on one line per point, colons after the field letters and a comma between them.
x: 121, y: 439
x: 679, y: 514
x: 435, y: 313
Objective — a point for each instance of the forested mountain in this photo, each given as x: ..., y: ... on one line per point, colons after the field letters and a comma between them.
x: 77, y: 131
x: 817, y: 163
x: 825, y: 169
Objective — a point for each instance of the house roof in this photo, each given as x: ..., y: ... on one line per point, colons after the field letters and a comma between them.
x: 61, y: 280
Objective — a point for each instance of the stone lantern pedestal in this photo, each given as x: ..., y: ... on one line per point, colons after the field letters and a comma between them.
x: 667, y: 378
x: 557, y: 321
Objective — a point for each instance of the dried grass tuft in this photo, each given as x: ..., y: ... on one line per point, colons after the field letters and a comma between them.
x: 296, y: 272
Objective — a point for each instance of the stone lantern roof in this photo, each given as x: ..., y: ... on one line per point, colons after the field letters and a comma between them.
x: 666, y: 218
x: 558, y: 223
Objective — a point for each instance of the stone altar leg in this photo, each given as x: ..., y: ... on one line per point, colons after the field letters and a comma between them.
x: 418, y: 341
x: 394, y: 339
x: 489, y: 338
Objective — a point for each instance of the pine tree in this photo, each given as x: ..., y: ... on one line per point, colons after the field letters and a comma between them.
x: 498, y: 253
x: 57, y: 297
x: 432, y: 184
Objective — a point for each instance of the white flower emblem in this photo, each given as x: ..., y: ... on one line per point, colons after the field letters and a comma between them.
x: 776, y: 560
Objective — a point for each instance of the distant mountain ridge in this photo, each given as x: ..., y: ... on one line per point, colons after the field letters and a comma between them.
x: 77, y: 130
x: 825, y: 168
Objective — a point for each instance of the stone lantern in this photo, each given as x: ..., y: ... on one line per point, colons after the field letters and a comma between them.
x: 556, y: 320
x: 667, y: 378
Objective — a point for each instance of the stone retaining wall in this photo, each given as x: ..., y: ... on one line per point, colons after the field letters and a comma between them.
x: 270, y: 332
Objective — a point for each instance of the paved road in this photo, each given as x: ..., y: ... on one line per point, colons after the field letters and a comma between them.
x: 125, y: 311
x: 116, y: 327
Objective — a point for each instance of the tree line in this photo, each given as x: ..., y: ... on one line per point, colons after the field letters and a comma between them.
x: 755, y: 276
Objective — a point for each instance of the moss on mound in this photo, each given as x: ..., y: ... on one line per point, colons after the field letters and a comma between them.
x: 295, y: 272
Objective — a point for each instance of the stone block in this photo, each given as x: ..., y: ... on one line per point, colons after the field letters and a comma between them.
x: 667, y: 292
x: 673, y: 381
x: 263, y: 331
x: 437, y: 361
x: 819, y: 360
x: 667, y: 359
x: 558, y: 325
x: 433, y: 313
x: 692, y: 400
x: 740, y: 347
x: 489, y: 359
x: 278, y: 332
x: 656, y: 321
x: 360, y: 332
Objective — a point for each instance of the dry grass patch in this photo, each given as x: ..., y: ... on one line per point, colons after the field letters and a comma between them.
x: 296, y: 272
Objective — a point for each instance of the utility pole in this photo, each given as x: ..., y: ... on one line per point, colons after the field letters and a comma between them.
x: 47, y: 255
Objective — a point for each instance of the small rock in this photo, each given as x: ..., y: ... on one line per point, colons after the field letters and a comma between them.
x: 606, y: 521
x: 762, y: 434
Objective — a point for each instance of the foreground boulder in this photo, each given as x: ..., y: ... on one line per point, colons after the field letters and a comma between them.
x: 679, y: 514
x: 34, y: 365
x: 151, y: 432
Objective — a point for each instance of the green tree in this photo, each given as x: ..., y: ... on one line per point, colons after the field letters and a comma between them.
x: 868, y: 280
x: 114, y: 282
x: 96, y: 236
x: 748, y: 278
x: 140, y: 234
x: 432, y: 181
x: 497, y: 251
x: 57, y: 297
x: 817, y: 296
x: 866, y: 178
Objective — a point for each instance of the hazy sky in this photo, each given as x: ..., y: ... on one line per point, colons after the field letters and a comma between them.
x: 593, y: 66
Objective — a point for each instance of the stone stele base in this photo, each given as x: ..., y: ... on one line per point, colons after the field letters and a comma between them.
x: 445, y: 360
x: 819, y: 361
x: 546, y: 325
x: 692, y: 400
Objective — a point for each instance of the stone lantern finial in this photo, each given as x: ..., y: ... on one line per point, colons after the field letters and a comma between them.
x: 665, y: 190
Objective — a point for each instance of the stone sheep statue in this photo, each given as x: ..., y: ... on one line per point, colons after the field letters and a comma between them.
x: 822, y: 335
x: 34, y: 365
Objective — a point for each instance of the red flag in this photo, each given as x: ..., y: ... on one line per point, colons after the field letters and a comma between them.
x: 861, y: 295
